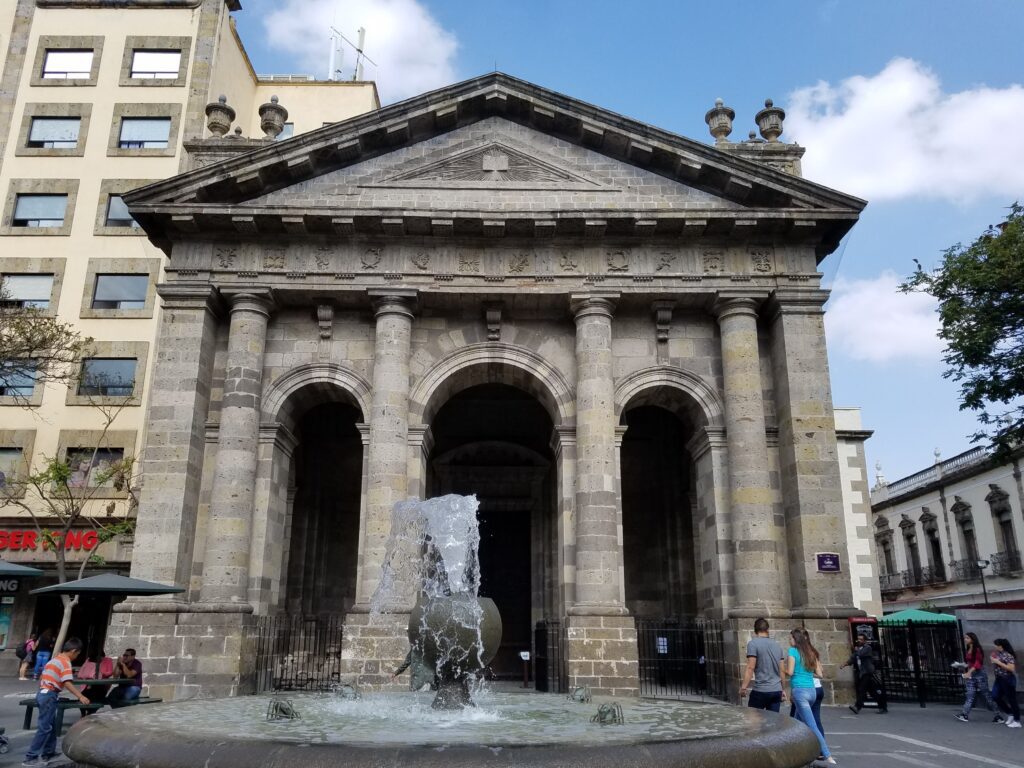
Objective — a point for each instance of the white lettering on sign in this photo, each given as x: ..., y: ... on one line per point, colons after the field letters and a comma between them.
x: 8, y: 585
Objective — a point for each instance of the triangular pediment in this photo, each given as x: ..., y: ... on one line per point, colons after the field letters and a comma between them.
x: 655, y: 182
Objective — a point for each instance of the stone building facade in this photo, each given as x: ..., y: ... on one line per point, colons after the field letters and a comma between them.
x: 610, y: 333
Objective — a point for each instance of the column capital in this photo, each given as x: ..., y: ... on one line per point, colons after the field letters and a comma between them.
x: 277, y: 433
x: 421, y: 436
x: 705, y: 440
x: 732, y: 303
x: 796, y: 302
x: 190, y: 296
x: 251, y: 299
x: 590, y: 304
x: 393, y: 301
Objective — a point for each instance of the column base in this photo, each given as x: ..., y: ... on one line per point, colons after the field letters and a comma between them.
x: 187, y: 651
x: 760, y: 610
x: 373, y: 646
x: 601, y: 653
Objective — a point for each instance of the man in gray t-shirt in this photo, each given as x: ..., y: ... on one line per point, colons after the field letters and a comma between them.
x: 765, y: 666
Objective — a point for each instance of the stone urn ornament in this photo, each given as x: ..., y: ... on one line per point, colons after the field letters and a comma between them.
x: 272, y: 118
x: 219, y: 116
x: 719, y: 120
x: 769, y: 121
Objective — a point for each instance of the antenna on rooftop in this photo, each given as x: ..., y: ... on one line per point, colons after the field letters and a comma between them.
x: 337, y: 54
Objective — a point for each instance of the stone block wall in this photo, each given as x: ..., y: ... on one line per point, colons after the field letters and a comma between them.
x: 602, y: 655
x: 373, y: 647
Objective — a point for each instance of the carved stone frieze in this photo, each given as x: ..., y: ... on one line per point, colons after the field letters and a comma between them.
x: 618, y: 261
x: 371, y: 258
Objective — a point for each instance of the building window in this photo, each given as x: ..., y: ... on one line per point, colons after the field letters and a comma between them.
x: 40, y: 210
x: 17, y: 379
x: 10, y: 464
x: 144, y: 133
x: 120, y: 292
x: 118, y: 215
x: 54, y: 132
x: 287, y: 132
x: 67, y: 64
x: 107, y: 377
x: 155, y: 65
x: 93, y: 467
x: 26, y: 291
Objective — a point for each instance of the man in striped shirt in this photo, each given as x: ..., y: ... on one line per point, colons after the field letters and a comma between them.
x: 55, y: 678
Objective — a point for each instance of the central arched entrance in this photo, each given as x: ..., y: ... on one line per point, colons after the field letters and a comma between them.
x: 494, y: 440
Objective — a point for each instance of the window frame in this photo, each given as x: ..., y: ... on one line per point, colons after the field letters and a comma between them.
x: 144, y: 111
x: 24, y: 439
x: 72, y: 439
x: 5, y: 279
x: 102, y: 394
x: 183, y: 45
x: 96, y: 289
x: 147, y: 267
x: 36, y: 266
x: 139, y: 350
x: 47, y: 43
x: 21, y: 187
x: 50, y: 110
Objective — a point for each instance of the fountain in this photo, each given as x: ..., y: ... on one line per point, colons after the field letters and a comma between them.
x: 453, y: 633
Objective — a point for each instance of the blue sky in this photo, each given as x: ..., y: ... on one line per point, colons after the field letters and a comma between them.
x: 915, y: 106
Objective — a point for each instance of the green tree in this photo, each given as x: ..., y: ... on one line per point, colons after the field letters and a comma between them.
x: 980, y: 290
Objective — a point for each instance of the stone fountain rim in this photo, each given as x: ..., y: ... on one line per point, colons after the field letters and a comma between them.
x: 102, y: 741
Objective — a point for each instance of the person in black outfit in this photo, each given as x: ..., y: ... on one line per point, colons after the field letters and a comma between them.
x: 863, y: 657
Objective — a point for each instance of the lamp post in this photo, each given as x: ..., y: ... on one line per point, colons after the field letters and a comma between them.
x: 982, y: 565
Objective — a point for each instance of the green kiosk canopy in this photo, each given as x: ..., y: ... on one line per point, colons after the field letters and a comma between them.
x: 912, y: 614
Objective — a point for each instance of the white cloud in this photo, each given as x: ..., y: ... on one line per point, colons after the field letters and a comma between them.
x: 898, y: 135
x: 413, y: 53
x: 871, y: 320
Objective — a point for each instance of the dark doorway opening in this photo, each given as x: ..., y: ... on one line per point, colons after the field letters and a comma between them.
x: 494, y: 440
x: 657, y: 524
x: 327, y: 484
x: 89, y: 620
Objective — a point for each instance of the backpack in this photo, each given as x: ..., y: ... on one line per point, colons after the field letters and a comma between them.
x: 22, y: 651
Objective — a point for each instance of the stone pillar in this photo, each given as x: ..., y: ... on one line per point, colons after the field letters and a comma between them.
x: 226, y: 563
x: 268, y: 551
x: 601, y: 647
x: 374, y: 645
x: 755, y: 574
x: 176, y: 433
x: 808, y: 454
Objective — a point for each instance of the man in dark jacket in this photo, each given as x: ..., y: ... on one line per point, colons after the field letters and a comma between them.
x: 864, y: 659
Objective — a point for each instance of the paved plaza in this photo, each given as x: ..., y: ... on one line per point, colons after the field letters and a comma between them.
x: 907, y: 736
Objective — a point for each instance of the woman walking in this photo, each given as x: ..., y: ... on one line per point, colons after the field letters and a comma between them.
x: 977, y: 680
x: 29, y: 659
x: 802, y: 664
x: 1004, y: 689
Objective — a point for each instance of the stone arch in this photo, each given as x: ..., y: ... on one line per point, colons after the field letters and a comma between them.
x: 324, y: 382
x: 702, y: 407
x: 491, y: 362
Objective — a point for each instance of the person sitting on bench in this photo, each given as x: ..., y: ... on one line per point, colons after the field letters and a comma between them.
x: 127, y: 666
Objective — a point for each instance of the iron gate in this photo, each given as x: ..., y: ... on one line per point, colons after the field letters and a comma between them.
x: 548, y: 657
x: 917, y: 662
x: 681, y: 657
x: 296, y: 653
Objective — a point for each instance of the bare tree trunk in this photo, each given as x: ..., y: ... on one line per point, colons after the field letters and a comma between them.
x: 65, y: 622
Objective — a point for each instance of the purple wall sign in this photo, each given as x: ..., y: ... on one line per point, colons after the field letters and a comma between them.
x: 828, y: 562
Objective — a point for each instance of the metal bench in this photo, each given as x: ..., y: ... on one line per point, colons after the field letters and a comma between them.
x: 62, y: 705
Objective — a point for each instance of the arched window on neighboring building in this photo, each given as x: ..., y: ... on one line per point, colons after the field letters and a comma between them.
x: 967, y: 566
x: 1007, y: 559
x: 936, y: 570
x: 912, y: 576
x: 889, y: 578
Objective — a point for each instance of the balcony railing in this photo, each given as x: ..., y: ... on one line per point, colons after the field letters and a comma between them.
x: 921, y: 577
x: 1005, y: 563
x: 891, y: 582
x: 965, y: 570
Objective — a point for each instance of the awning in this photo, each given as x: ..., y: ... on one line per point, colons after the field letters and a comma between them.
x: 913, y: 614
x: 20, y: 571
x: 108, y: 584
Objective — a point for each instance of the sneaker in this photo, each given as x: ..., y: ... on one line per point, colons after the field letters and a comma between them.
x: 1013, y: 724
x: 962, y: 718
x: 34, y: 762
x: 998, y: 719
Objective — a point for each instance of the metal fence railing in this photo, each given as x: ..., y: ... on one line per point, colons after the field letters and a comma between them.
x: 295, y: 653
x: 917, y: 661
x: 549, y: 657
x: 681, y: 658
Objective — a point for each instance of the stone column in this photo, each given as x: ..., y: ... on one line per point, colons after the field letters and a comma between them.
x: 226, y: 563
x: 756, y: 575
x: 601, y: 650
x: 808, y: 453
x: 373, y: 645
x: 268, y: 551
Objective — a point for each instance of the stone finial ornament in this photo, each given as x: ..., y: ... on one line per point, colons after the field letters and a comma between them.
x: 219, y: 116
x: 719, y: 120
x: 272, y: 118
x: 769, y: 121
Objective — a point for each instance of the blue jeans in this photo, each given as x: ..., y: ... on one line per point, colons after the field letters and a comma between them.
x: 803, y: 699
x: 42, y: 659
x: 769, y: 701
x: 819, y: 694
x: 44, y: 743
x: 977, y: 683
x: 125, y: 693
x: 1004, y: 691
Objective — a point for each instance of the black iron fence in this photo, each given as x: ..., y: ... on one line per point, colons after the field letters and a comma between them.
x: 681, y: 657
x: 549, y: 657
x: 917, y: 661
x: 295, y: 653
x: 1005, y: 563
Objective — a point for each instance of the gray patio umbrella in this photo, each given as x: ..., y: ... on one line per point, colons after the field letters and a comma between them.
x: 20, y: 571
x: 108, y: 584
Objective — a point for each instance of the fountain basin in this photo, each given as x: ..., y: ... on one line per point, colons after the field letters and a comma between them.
x: 505, y: 729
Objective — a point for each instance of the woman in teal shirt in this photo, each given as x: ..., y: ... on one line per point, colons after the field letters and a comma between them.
x: 802, y: 664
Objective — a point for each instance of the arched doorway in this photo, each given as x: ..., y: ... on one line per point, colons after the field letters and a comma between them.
x: 494, y: 440
x: 657, y: 514
x: 327, y: 482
